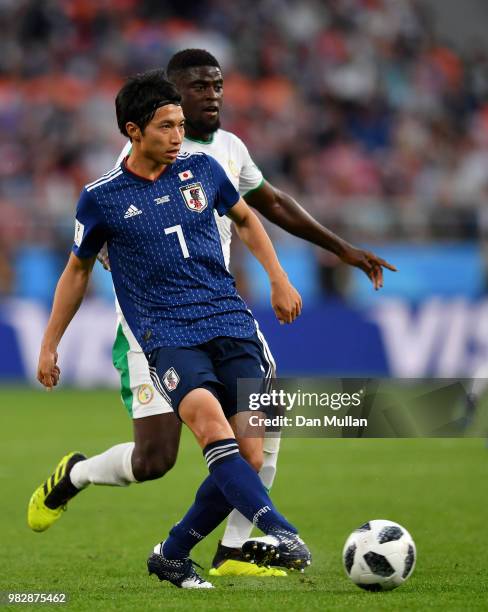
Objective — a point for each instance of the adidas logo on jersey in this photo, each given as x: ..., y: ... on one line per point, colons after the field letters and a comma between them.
x: 132, y: 211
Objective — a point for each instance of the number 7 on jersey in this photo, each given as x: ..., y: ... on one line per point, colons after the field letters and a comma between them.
x: 179, y: 232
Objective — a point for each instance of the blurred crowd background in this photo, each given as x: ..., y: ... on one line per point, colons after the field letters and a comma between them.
x: 373, y: 118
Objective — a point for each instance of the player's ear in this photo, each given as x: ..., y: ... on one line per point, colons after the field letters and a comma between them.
x: 133, y: 131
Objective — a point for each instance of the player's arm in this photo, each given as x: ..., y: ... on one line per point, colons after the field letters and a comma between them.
x: 285, y: 299
x: 90, y: 234
x: 282, y: 210
x: 69, y: 294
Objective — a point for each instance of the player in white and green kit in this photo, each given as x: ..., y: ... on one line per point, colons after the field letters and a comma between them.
x: 198, y: 77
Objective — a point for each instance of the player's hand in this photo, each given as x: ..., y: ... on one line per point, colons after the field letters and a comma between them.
x: 48, y: 371
x: 103, y: 257
x: 285, y: 300
x: 369, y: 263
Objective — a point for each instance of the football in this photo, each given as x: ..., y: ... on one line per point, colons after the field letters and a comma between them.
x: 379, y: 556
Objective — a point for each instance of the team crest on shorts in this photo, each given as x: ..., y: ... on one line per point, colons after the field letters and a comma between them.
x: 145, y: 393
x: 194, y: 196
x: 171, y: 379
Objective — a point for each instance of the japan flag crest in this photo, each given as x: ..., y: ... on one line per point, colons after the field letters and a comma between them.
x: 185, y: 175
x: 171, y: 379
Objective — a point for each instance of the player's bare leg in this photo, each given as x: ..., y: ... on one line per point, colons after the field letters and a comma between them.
x: 251, y: 448
x: 157, y: 439
x: 150, y: 456
x: 202, y: 413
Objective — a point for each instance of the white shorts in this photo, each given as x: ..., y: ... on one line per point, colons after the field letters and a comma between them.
x: 136, y: 388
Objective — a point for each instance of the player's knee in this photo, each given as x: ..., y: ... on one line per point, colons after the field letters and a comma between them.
x: 153, y: 465
x: 211, y: 430
x: 163, y: 462
x: 209, y: 437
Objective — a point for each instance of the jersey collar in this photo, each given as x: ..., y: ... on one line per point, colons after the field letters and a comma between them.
x: 138, y: 177
x: 203, y: 142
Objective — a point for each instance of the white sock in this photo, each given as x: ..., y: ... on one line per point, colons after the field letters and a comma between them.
x: 113, y: 467
x: 479, y: 381
x: 238, y: 528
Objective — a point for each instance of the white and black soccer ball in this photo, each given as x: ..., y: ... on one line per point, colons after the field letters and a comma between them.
x: 379, y: 556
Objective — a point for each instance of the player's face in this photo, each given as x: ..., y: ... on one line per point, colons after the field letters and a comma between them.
x: 164, y: 134
x: 201, y: 89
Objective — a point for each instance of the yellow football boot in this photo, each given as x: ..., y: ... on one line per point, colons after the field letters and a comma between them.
x: 48, y: 501
x: 231, y: 562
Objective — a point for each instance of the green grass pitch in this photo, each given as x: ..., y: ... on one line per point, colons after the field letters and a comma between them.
x: 97, y: 552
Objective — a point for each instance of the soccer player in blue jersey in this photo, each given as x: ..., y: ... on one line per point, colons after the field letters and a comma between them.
x: 198, y: 77
x: 155, y: 211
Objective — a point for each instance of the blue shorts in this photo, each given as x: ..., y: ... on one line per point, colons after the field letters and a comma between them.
x: 214, y: 365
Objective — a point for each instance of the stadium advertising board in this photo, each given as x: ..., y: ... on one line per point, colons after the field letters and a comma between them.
x: 436, y: 338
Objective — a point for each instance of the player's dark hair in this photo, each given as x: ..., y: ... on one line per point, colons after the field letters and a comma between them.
x: 141, y: 96
x: 190, y: 58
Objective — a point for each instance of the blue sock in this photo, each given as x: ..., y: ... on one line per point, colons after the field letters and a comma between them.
x: 242, y: 487
x: 208, y: 511
x: 232, y: 484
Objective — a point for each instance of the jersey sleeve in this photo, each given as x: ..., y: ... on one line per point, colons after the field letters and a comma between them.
x: 90, y: 228
x: 250, y: 177
x: 227, y: 195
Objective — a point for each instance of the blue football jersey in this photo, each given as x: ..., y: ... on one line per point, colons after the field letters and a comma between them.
x: 165, y: 252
